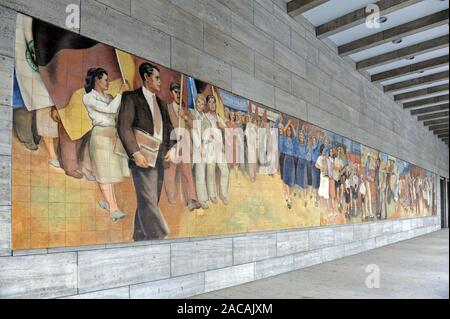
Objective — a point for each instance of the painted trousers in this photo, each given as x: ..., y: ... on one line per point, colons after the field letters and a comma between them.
x: 211, y: 179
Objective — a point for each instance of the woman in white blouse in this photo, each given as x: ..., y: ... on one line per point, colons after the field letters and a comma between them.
x: 109, y: 168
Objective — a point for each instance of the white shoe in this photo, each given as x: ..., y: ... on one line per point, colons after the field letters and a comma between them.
x: 117, y: 216
x: 204, y: 205
x: 54, y: 163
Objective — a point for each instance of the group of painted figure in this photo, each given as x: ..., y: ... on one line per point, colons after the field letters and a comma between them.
x: 319, y: 170
x: 310, y: 165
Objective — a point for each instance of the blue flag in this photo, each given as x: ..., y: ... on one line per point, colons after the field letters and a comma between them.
x: 17, y: 101
x: 191, y: 92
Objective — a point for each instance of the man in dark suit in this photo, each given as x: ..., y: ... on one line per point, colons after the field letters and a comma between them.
x: 143, y: 110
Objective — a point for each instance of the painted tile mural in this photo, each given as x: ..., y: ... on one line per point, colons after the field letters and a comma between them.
x: 96, y: 158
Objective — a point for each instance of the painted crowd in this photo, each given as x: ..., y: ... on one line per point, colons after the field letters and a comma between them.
x: 323, y: 168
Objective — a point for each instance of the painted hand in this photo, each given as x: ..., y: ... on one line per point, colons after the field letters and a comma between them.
x: 140, y: 160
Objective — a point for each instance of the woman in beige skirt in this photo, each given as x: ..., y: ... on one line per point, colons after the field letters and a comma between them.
x: 109, y: 168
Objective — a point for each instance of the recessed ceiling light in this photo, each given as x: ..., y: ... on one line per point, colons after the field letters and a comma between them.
x: 382, y: 19
x: 397, y: 41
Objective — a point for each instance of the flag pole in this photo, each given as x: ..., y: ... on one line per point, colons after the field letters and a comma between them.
x: 181, y: 98
x: 179, y: 117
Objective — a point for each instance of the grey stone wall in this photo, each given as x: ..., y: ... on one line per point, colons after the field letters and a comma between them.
x: 183, y: 268
x: 254, y: 49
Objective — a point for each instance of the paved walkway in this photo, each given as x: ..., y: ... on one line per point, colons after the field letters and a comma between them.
x: 416, y: 268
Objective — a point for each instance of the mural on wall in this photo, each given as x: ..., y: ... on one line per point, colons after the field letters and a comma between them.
x: 110, y: 148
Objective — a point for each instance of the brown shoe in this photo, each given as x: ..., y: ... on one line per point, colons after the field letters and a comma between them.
x: 75, y: 174
x: 193, y: 205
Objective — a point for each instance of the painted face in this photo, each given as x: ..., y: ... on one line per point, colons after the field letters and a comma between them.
x: 212, y: 105
x: 331, y: 152
x: 289, y: 132
x: 103, y: 82
x: 176, y: 95
x: 200, y: 106
x: 301, y: 138
x: 154, y: 81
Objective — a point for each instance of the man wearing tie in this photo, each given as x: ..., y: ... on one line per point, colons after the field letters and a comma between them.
x: 143, y: 110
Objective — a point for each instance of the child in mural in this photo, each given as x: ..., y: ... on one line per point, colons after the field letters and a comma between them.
x: 301, y: 148
x: 109, y: 168
x: 347, y: 194
x: 288, y: 165
x: 362, y: 195
x: 322, y: 165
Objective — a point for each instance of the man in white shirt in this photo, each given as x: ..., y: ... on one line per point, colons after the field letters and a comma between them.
x: 215, y: 153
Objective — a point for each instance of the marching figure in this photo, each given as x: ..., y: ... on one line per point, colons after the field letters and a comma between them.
x: 142, y: 113
x: 109, y: 168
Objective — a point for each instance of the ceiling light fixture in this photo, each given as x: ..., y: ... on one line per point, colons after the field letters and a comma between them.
x: 382, y: 19
x: 397, y: 41
x: 411, y: 58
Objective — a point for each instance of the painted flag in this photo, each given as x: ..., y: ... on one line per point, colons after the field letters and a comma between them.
x: 191, y: 91
x: 233, y: 101
x: 265, y: 116
x: 17, y: 102
x: 220, y: 108
x: 127, y: 65
x: 63, y: 59
x: 33, y: 92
